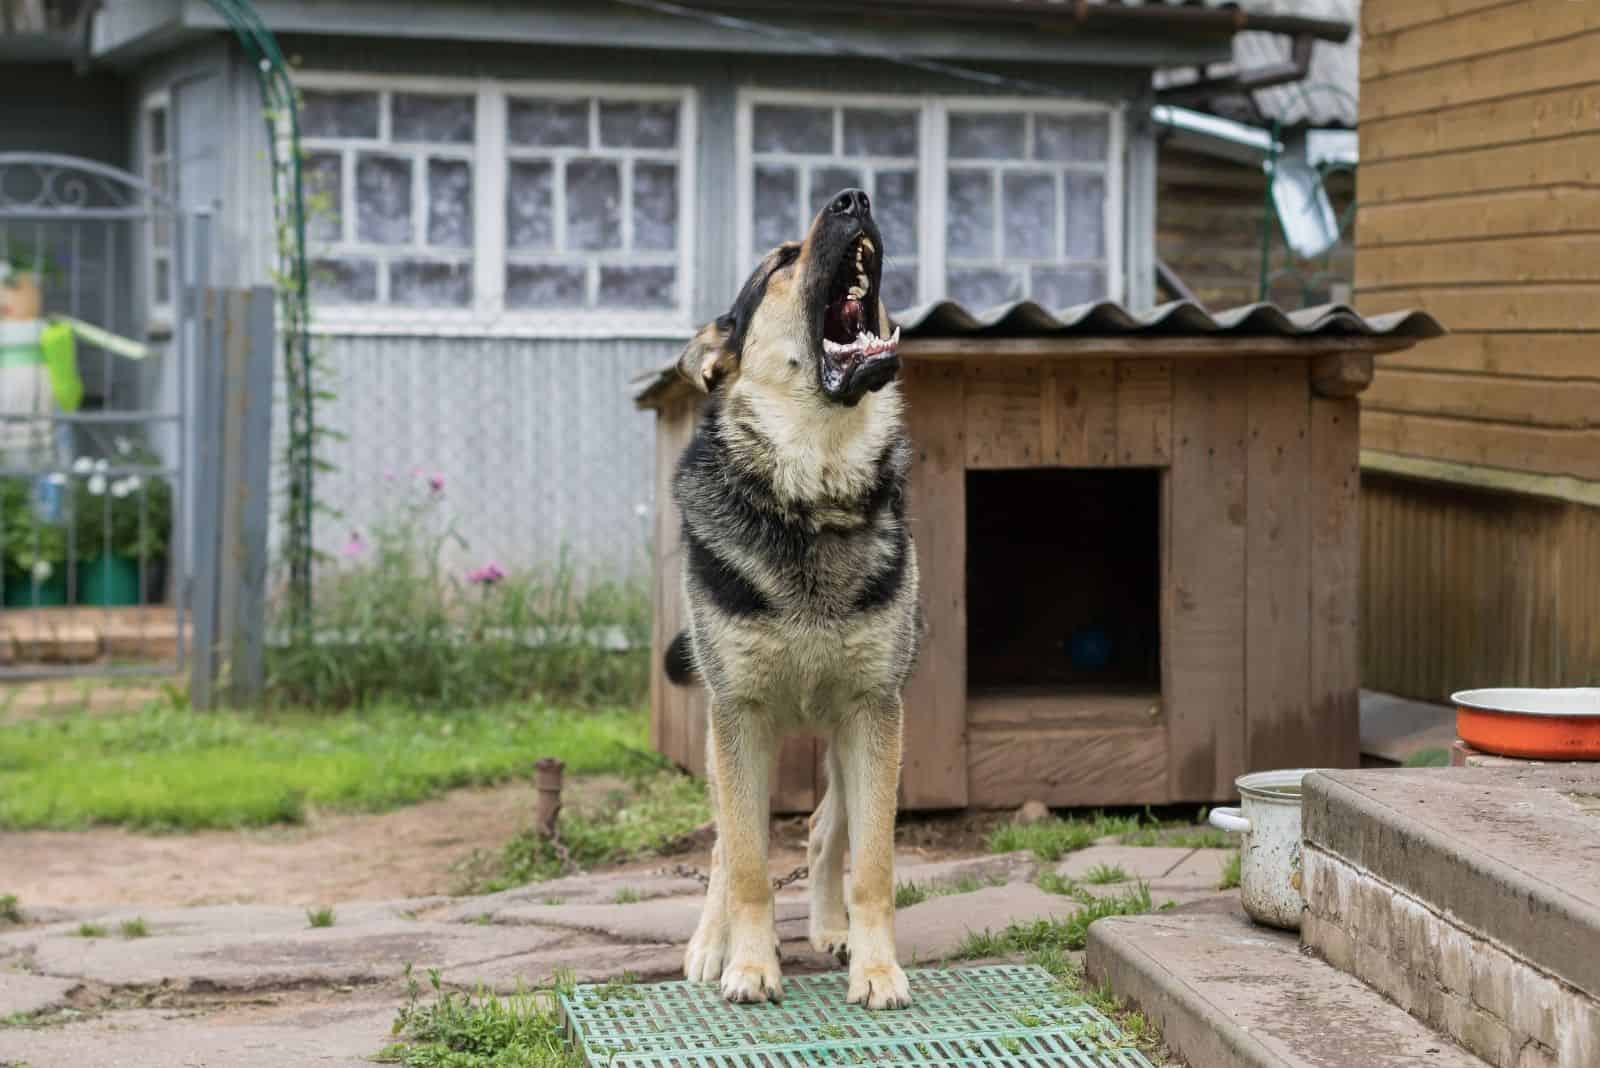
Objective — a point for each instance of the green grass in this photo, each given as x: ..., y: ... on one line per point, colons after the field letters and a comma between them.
x: 323, y: 917
x: 1230, y: 871
x: 1106, y: 874
x: 172, y: 769
x: 626, y: 896
x: 1054, y: 838
x: 1048, y: 938
x: 91, y: 930
x: 1429, y: 758
x: 659, y: 808
x: 908, y: 894
x: 10, y: 910
x: 135, y: 928
x: 479, y: 1031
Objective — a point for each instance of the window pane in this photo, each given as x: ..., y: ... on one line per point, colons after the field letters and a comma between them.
x: 899, y: 285
x: 594, y: 205
x: 530, y: 205
x: 344, y: 281
x: 322, y: 173
x: 807, y: 130
x: 430, y: 284
x: 1081, y: 138
x: 450, y: 203
x: 639, y: 124
x: 880, y: 133
x: 980, y: 288
x: 655, y: 206
x: 985, y: 135
x: 1064, y: 287
x: 549, y: 123
x: 1086, y: 216
x: 325, y: 114
x: 383, y: 199
x: 826, y: 181
x: 544, y: 285
x: 1030, y: 214
x: 157, y: 119
x: 895, y: 207
x: 638, y: 287
x: 969, y: 215
x: 777, y: 207
x: 434, y: 120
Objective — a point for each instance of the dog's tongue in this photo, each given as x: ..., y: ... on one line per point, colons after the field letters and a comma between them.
x: 845, y: 317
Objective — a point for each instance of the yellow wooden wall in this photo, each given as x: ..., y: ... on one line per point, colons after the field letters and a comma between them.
x: 1480, y: 203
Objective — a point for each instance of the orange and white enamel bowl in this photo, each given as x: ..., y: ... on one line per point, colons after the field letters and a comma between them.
x: 1535, y: 724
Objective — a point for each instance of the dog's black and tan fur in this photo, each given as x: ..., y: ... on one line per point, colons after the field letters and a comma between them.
x: 801, y: 585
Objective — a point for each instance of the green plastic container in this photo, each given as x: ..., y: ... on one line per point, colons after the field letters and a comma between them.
x: 108, y: 580
x: 22, y: 593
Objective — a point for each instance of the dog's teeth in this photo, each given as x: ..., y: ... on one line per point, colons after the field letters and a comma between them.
x: 856, y: 293
x: 866, y: 243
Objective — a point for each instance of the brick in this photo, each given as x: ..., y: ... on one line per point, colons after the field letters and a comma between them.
x: 1534, y: 1055
x: 1492, y: 983
x: 1375, y: 914
x: 1335, y: 945
x: 1534, y: 998
x: 1488, y: 1038
x: 1455, y: 959
x: 1454, y: 1011
x: 1578, y: 1030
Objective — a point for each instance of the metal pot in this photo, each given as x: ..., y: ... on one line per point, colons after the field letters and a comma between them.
x: 1269, y: 868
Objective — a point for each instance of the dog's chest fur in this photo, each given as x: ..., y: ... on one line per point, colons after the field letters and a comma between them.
x: 799, y: 570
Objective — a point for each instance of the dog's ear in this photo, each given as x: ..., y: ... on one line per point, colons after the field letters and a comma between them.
x: 707, y: 360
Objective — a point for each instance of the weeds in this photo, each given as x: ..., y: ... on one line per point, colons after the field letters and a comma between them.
x: 908, y: 894
x: 479, y: 1030
x: 1050, y: 936
x: 10, y: 910
x: 168, y: 768
x: 1230, y: 871
x: 1054, y: 838
x: 91, y: 930
x: 1106, y: 874
x: 626, y: 896
x: 663, y: 807
x: 322, y: 917
x: 135, y: 928
x: 393, y: 620
x: 1428, y: 758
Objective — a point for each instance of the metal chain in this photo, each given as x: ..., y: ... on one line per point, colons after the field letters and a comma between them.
x: 562, y: 853
x: 683, y: 871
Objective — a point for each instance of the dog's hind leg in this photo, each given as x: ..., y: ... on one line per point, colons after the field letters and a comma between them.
x: 702, y: 961
x: 869, y: 753
x: 825, y: 848
x: 744, y: 754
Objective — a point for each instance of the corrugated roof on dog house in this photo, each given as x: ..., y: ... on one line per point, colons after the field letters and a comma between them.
x: 1138, y: 539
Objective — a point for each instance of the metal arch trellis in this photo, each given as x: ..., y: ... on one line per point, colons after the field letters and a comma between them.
x: 294, y: 302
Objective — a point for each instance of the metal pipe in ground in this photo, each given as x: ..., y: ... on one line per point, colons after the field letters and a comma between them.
x: 547, y: 784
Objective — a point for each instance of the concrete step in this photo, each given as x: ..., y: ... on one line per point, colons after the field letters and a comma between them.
x: 1471, y: 896
x: 1229, y: 994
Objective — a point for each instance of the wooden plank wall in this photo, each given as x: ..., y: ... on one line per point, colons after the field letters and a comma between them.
x: 1209, y: 215
x: 1464, y: 588
x: 1480, y: 202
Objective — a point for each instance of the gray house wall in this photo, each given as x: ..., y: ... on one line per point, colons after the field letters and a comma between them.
x: 541, y: 450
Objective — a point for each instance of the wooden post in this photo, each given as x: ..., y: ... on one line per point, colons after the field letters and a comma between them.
x: 547, y: 781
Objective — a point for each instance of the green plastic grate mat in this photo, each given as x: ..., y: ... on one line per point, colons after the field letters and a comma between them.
x: 1005, y: 1016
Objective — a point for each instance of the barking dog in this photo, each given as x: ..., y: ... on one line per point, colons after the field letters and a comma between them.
x: 802, y: 592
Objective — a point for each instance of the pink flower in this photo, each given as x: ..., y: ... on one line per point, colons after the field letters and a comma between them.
x: 487, y: 575
x: 436, y: 483
x: 354, y: 547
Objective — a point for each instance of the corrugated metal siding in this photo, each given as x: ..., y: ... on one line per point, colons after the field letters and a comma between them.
x: 538, y: 445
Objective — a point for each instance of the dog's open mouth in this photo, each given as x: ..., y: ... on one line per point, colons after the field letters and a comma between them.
x: 850, y: 325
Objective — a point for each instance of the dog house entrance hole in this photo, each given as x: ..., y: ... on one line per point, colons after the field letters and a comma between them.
x: 1063, y: 580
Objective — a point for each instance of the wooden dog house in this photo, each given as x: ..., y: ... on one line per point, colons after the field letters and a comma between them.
x: 1138, y: 538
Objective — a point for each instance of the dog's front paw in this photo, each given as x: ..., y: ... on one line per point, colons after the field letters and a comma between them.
x: 746, y: 982
x: 879, y: 986
x: 831, y: 937
x: 702, y: 962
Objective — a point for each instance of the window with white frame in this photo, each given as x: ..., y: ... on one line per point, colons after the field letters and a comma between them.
x: 980, y: 201
x: 156, y: 135
x: 496, y: 201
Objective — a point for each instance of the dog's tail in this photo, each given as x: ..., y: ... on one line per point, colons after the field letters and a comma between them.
x: 679, y: 661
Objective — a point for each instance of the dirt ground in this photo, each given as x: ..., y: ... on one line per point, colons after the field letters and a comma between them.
x: 412, y: 852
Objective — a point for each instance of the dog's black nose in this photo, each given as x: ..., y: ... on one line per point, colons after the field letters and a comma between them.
x: 853, y: 203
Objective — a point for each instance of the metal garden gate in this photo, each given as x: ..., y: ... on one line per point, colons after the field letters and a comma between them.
x: 113, y: 354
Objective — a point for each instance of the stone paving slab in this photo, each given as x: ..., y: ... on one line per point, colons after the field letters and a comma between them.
x: 1140, y: 862
x: 670, y: 919
x: 589, y: 963
x: 1200, y: 866
x: 340, y: 1035
x: 27, y: 995
x: 1229, y: 994
x: 573, y: 890
x: 258, y: 961
x: 936, y: 928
